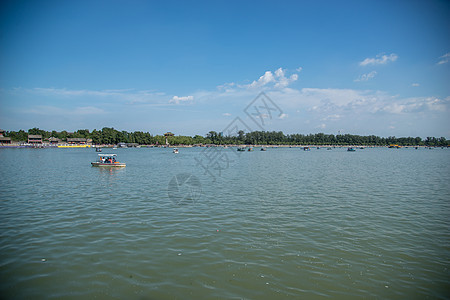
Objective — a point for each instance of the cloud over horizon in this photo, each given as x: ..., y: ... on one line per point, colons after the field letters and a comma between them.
x: 277, y: 78
x: 444, y: 59
x: 379, y: 60
x: 315, y: 108
x: 184, y: 99
x: 366, y: 77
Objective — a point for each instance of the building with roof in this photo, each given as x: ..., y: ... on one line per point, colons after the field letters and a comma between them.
x: 34, y: 139
x: 5, y: 140
x: 168, y: 134
x: 53, y: 140
x: 80, y: 141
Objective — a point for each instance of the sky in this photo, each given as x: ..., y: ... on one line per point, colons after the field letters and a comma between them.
x: 189, y: 67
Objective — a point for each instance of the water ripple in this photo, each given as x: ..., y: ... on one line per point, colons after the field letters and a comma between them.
x: 277, y: 224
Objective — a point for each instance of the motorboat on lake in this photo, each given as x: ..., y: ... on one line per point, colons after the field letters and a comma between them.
x: 351, y: 149
x: 107, y: 160
x: 175, y: 150
x: 241, y: 149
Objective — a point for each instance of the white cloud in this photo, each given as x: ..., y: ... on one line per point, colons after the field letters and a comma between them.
x: 379, y: 60
x: 263, y: 80
x: 278, y: 79
x: 415, y: 84
x: 128, y: 95
x: 283, y: 116
x: 334, y: 117
x: 227, y: 87
x: 178, y: 100
x: 226, y: 114
x: 414, y: 105
x: 47, y: 110
x: 299, y: 69
x: 444, y: 59
x: 344, y: 104
x: 66, y: 92
x: 366, y: 77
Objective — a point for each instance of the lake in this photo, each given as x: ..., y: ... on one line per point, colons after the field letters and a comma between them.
x: 213, y: 223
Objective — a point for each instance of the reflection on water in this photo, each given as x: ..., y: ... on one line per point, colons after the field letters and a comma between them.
x: 281, y: 223
x: 109, y: 171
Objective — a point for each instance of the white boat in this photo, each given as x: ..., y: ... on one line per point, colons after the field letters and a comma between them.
x: 175, y: 150
x: 107, y: 160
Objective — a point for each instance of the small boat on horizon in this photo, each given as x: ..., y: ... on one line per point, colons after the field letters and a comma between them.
x: 107, y: 160
x: 263, y: 149
x: 175, y: 150
x: 241, y: 149
x: 351, y: 149
x: 306, y: 149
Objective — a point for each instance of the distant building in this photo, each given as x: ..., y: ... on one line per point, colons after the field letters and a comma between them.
x: 5, y: 140
x: 54, y: 140
x: 80, y: 141
x: 34, y: 139
x: 167, y: 134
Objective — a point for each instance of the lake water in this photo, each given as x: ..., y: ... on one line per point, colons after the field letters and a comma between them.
x: 279, y: 224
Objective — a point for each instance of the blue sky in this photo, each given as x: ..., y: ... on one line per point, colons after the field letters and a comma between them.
x: 359, y: 67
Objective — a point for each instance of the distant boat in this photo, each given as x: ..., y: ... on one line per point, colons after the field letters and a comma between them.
x: 98, y: 149
x: 306, y: 149
x: 241, y: 149
x: 351, y: 149
x: 107, y: 160
x: 263, y: 149
x: 329, y: 148
x: 175, y: 150
x: 250, y: 149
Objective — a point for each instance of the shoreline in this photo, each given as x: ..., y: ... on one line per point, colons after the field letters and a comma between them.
x: 89, y: 146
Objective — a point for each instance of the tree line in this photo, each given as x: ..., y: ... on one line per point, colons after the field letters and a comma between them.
x: 112, y: 136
